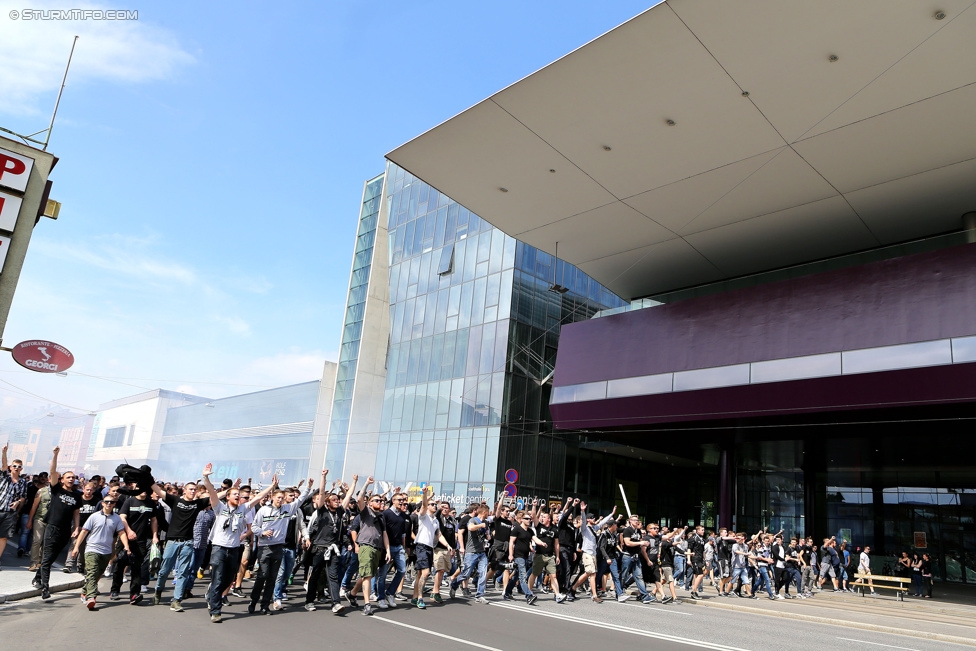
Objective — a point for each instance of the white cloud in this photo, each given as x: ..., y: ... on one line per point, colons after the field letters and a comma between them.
x: 236, y: 324
x: 33, y: 54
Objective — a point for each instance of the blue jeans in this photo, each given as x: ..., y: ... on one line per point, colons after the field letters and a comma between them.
x: 474, y: 560
x: 399, y: 561
x: 26, y: 536
x: 740, y: 574
x: 763, y: 576
x: 613, y: 569
x: 522, y: 572
x: 224, y: 562
x: 287, y: 565
x: 199, y: 553
x: 348, y: 566
x: 630, y: 567
x: 178, y: 555
x: 680, y: 567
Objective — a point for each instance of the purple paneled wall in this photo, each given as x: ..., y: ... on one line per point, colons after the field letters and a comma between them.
x: 921, y: 297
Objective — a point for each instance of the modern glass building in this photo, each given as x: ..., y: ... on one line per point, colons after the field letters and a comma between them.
x: 783, y: 194
x: 471, y: 328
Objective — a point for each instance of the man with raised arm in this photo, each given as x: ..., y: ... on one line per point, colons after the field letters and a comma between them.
x: 229, y: 530
x: 374, y: 545
x: 589, y: 532
x: 326, y: 530
x: 63, y: 522
x: 13, y: 493
x: 178, y: 554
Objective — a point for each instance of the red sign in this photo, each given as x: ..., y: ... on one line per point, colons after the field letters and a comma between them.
x: 511, y: 475
x: 510, y: 490
x: 43, y: 356
x: 14, y: 170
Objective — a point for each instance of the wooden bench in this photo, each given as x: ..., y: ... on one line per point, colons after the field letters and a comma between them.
x: 895, y: 583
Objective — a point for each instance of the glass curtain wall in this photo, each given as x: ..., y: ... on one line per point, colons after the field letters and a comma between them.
x: 453, y: 382
x: 353, y: 326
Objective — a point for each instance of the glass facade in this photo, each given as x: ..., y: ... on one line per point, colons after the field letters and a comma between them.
x: 352, y: 329
x: 473, y: 333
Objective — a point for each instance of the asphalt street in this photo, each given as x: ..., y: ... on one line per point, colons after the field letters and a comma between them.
x: 64, y: 622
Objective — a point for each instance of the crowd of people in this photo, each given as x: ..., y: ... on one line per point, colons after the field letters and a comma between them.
x: 343, y: 543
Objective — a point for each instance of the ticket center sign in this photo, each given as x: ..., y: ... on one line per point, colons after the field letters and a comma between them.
x: 42, y: 356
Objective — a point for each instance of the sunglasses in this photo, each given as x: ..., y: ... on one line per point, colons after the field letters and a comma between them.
x: 109, y: 501
x: 17, y: 467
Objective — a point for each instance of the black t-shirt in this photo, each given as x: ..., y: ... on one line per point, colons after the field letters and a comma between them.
x: 501, y: 531
x: 546, y: 534
x: 92, y: 505
x: 806, y: 552
x: 397, y: 524
x: 523, y: 538
x: 723, y: 550
x: 139, y: 515
x: 184, y: 515
x: 632, y: 534
x: 327, y: 530
x: 696, y: 544
x: 567, y: 533
x: 63, y: 506
x: 667, y: 554
x: 447, y: 526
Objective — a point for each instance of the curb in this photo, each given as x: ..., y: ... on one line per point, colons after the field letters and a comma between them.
x: 33, y: 592
x: 877, y: 628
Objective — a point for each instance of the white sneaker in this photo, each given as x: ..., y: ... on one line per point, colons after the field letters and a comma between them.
x: 342, y: 591
x: 391, y: 600
x: 144, y: 589
x: 622, y: 598
x: 276, y: 605
x: 382, y: 604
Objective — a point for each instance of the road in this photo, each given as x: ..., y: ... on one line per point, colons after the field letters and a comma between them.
x: 63, y: 622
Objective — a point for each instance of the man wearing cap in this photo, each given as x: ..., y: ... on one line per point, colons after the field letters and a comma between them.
x: 589, y: 532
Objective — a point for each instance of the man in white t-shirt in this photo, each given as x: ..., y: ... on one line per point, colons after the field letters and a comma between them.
x: 428, y: 535
x: 100, y: 531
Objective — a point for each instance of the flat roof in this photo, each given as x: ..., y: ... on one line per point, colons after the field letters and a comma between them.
x: 705, y: 140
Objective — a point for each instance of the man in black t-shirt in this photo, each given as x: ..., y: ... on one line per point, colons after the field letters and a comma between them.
x: 696, y: 545
x: 723, y: 554
x: 631, y: 542
x: 443, y: 555
x: 178, y: 552
x: 63, y: 522
x: 501, y: 531
x: 546, y: 541
x: 138, y: 514
x: 91, y: 502
x: 326, y: 532
x: 519, y: 546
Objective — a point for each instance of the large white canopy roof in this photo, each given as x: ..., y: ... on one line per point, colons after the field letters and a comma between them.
x: 777, y: 155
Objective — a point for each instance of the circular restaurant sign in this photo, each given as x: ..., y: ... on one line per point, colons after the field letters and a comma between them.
x: 43, y: 356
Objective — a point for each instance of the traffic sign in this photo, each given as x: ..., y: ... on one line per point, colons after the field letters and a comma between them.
x: 511, y: 490
x: 511, y: 475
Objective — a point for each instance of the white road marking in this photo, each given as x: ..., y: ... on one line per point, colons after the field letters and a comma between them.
x: 662, y: 609
x: 430, y: 632
x: 850, y: 639
x: 620, y: 629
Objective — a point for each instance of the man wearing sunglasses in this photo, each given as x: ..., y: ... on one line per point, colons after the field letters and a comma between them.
x: 374, y: 545
x: 13, y: 491
x: 397, y: 523
x: 99, y: 532
x: 519, y: 546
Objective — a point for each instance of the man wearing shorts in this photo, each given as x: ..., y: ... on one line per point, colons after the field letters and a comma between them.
x: 696, y: 547
x: 374, y: 546
x: 428, y: 535
x: 546, y: 542
x: 740, y: 567
x: 666, y: 564
x: 445, y: 548
x: 723, y: 554
x: 589, y: 533
x: 827, y: 563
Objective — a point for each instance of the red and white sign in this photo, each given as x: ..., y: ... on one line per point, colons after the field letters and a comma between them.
x: 14, y: 170
x: 43, y: 356
x: 4, y: 245
x: 9, y: 209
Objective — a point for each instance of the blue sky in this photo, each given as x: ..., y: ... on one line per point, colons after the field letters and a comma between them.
x: 212, y: 162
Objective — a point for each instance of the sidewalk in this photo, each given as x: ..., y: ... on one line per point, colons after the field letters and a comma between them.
x: 949, y: 617
x: 15, y: 579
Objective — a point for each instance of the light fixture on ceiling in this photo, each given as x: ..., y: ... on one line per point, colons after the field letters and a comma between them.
x: 555, y: 287
x: 939, y: 15
x: 607, y: 147
x: 832, y: 58
x: 503, y: 189
x: 669, y: 122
